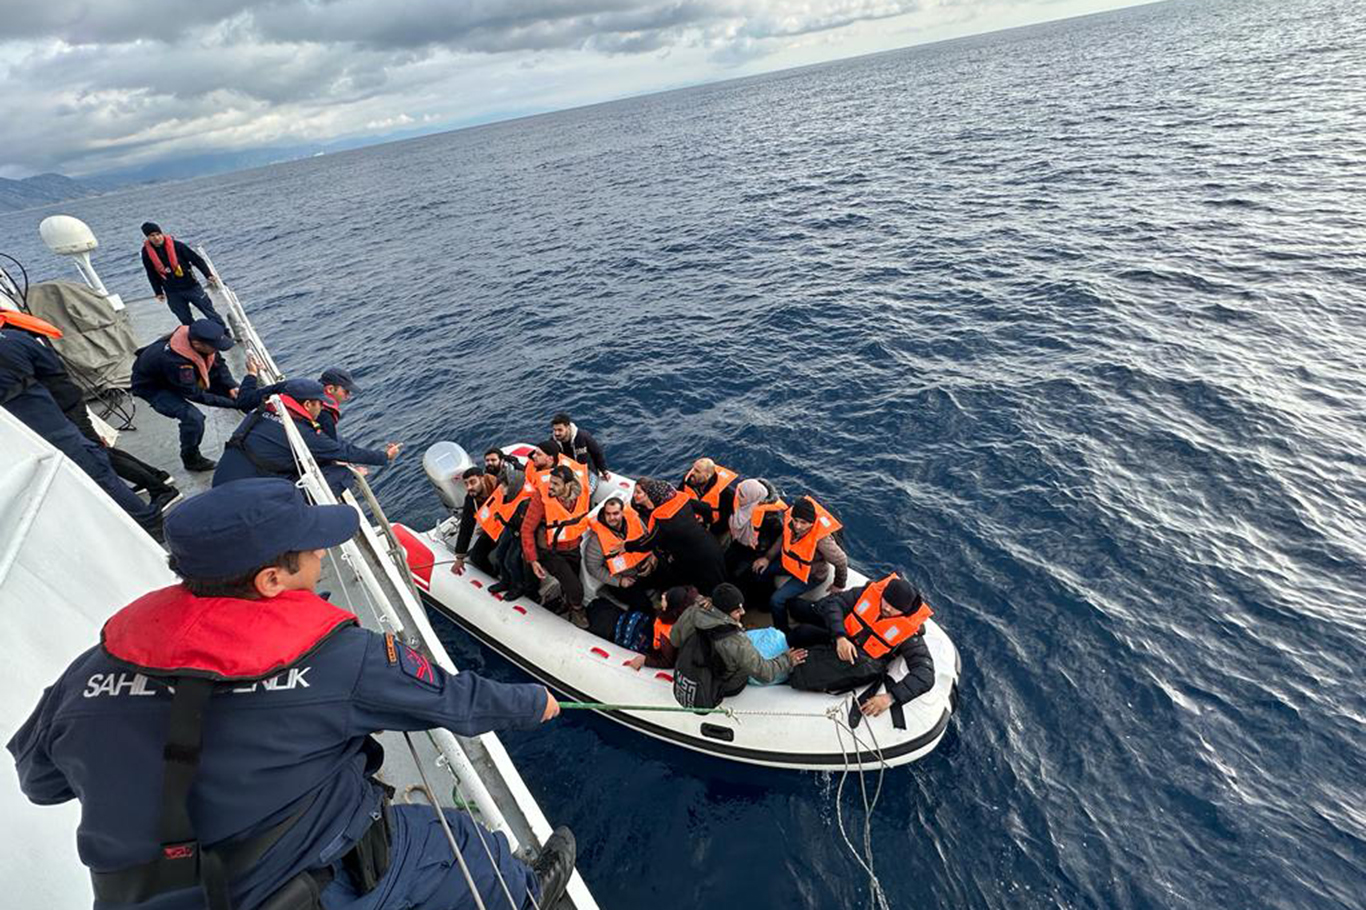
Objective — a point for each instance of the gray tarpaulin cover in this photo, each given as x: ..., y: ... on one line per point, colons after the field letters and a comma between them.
x: 97, y: 342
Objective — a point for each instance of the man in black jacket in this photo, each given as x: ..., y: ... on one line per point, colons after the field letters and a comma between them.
x: 579, y: 445
x: 168, y: 263
x: 853, y: 636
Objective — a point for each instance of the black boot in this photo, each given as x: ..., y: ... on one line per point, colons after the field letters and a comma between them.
x: 163, y: 498
x: 554, y: 866
x: 497, y: 588
x: 193, y: 461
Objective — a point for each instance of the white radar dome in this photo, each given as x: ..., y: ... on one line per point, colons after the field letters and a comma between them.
x: 66, y: 235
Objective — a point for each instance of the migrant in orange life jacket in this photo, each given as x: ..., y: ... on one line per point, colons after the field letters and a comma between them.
x: 724, y: 478
x: 667, y: 510
x: 798, y: 555
x: 874, y: 635
x: 565, y: 526
x: 661, y: 633
x: 610, y: 540
x: 538, y: 478
x: 496, y: 511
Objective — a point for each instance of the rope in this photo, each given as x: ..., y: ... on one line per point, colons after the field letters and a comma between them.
x: 729, y: 712
x: 877, y: 897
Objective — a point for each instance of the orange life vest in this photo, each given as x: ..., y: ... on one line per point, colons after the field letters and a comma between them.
x: 495, y: 512
x: 661, y: 633
x: 798, y: 555
x: 29, y: 323
x: 168, y: 244
x: 724, y: 478
x: 538, y: 478
x: 667, y: 510
x: 610, y: 540
x: 761, y: 512
x: 565, y: 526
x: 872, y: 634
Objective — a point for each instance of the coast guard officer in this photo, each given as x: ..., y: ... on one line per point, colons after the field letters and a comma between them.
x: 260, y: 448
x: 180, y: 370
x: 219, y: 735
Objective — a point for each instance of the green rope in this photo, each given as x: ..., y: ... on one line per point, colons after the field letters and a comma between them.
x: 603, y: 706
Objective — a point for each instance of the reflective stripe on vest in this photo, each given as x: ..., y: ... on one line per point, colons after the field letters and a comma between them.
x: 610, y: 540
x: 668, y: 510
x: 800, y: 554
x: 565, y: 526
x: 724, y: 478
x: 661, y: 633
x: 872, y: 634
x: 495, y: 513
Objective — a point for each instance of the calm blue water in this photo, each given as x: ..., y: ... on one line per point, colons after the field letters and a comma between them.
x: 1068, y: 322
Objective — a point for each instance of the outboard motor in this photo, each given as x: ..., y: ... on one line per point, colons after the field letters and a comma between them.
x: 444, y: 462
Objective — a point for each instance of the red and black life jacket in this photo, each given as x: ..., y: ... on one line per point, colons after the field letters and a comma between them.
x: 196, y: 643
x: 172, y: 262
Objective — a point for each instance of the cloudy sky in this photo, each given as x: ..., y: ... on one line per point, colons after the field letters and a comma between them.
x: 93, y: 85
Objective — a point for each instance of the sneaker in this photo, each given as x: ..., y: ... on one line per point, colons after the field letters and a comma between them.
x: 579, y: 617
x: 554, y: 866
x: 511, y: 594
x: 497, y: 587
x: 196, y: 462
x: 164, y: 499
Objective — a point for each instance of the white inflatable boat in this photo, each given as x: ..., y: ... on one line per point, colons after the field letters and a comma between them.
x: 776, y: 726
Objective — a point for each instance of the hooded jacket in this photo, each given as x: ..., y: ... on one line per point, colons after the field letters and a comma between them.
x: 736, y: 653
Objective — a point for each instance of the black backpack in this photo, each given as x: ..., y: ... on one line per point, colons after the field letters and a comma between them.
x: 697, y: 672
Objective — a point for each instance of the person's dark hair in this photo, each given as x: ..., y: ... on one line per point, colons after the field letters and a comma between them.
x: 241, y: 586
x: 676, y: 600
x: 472, y: 471
x: 561, y: 419
x: 564, y: 472
x: 495, y: 451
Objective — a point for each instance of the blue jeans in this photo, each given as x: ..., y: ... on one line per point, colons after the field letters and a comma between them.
x: 789, y: 591
x: 179, y: 303
x: 423, y: 872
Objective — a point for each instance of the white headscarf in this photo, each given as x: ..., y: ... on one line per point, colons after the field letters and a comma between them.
x: 747, y: 495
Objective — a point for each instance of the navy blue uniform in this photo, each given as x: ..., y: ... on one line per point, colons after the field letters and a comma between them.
x: 26, y: 366
x: 295, y: 742
x: 169, y: 382
x: 259, y: 448
x: 181, y: 290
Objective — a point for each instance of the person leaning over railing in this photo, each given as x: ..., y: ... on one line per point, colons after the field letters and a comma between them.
x: 219, y: 737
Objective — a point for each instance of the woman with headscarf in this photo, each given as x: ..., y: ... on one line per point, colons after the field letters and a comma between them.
x: 754, y: 525
x: 673, y: 531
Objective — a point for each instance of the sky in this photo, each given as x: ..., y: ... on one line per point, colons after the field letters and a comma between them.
x: 88, y: 86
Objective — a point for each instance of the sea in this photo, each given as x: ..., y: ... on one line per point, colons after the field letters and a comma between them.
x: 1067, y: 323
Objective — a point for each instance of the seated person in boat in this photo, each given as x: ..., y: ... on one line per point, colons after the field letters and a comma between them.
x: 853, y: 636
x: 694, y: 555
x: 712, y: 488
x: 544, y: 457
x: 715, y: 658
x: 497, y: 464
x: 657, y: 650
x: 503, y: 522
x: 620, y: 576
x: 556, y: 520
x: 480, y: 489
x: 579, y: 445
x: 260, y: 448
x: 808, y: 551
x: 755, y: 525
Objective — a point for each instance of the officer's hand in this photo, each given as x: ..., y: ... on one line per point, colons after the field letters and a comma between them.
x: 458, y: 567
x: 798, y: 656
x: 392, y: 449
x: 538, y: 569
x: 253, y: 366
x: 875, y: 705
x: 635, y: 663
x: 844, y: 649
x: 552, y: 707
x: 161, y: 297
x: 760, y: 564
x: 213, y: 280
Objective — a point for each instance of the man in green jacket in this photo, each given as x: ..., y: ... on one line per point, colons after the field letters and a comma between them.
x: 734, y: 655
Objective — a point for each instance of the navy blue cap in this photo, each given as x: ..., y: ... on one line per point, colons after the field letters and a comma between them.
x: 210, y: 332
x: 304, y: 390
x: 341, y: 377
x: 243, y: 525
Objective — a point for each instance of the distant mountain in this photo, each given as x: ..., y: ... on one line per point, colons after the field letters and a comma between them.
x: 41, y: 189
